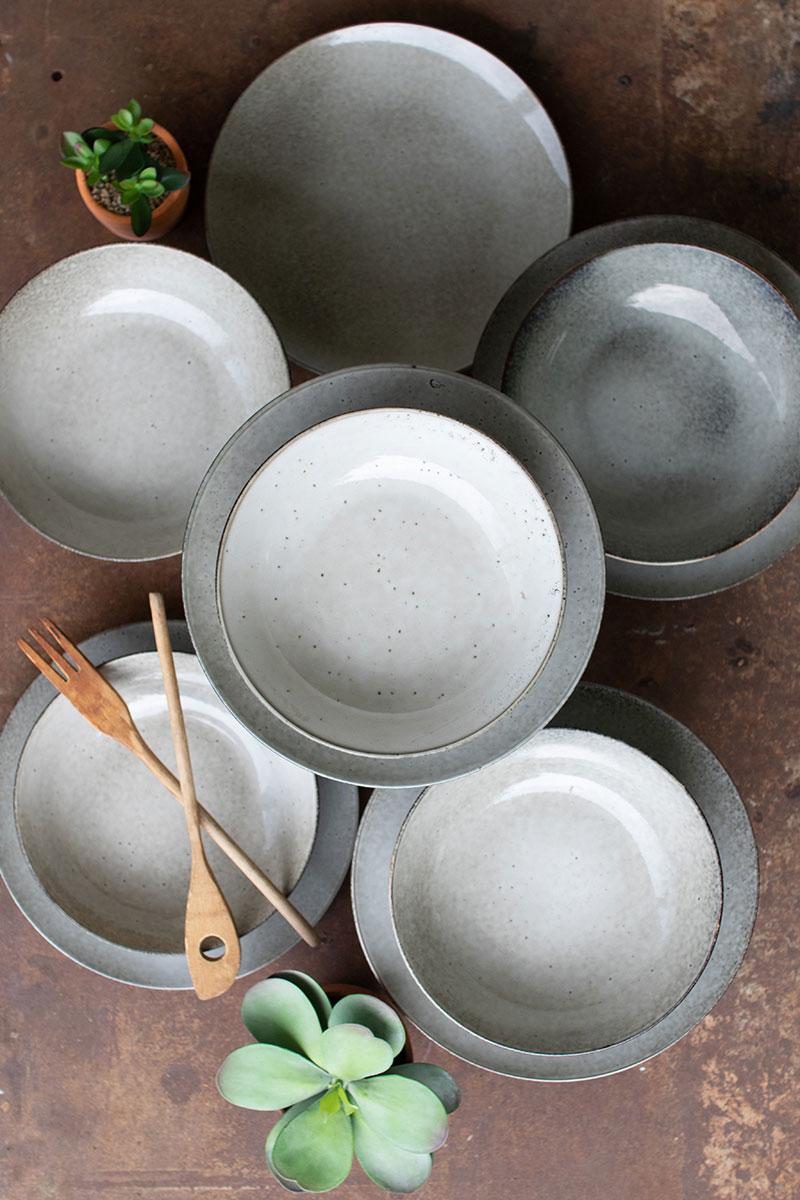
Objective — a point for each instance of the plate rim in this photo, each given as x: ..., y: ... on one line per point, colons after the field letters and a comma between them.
x: 429, y: 390
x: 326, y: 36
x: 591, y: 705
x: 316, y: 889
x: 127, y: 247
x: 627, y: 577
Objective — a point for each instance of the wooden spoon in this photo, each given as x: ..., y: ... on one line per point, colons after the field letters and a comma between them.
x: 210, y: 937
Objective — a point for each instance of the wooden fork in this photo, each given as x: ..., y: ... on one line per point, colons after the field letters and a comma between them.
x: 101, y: 704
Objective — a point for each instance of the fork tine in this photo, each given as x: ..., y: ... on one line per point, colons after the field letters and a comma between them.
x: 63, y: 641
x: 55, y: 655
x: 46, y: 668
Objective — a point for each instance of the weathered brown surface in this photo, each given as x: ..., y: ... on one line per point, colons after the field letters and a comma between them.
x: 664, y: 106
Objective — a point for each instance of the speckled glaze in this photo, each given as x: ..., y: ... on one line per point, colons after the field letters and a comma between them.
x: 391, y: 581
x: 611, y: 713
x: 732, y: 426
x: 560, y: 900
x: 671, y: 375
x: 378, y: 188
x: 123, y: 370
x: 94, y: 852
x: 460, y: 399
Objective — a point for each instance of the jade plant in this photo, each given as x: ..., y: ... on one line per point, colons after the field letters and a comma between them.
x: 334, y: 1070
x: 124, y: 159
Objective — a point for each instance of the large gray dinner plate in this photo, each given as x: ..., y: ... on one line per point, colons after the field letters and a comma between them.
x: 618, y: 715
x: 702, y: 573
x: 378, y: 188
x: 113, y: 897
x: 401, y: 387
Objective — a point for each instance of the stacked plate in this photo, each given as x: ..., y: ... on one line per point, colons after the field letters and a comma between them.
x: 94, y: 851
x: 569, y: 911
x: 664, y: 354
x: 393, y: 575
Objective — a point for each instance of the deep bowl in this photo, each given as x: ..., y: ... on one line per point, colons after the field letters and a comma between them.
x: 124, y: 369
x: 671, y: 375
x: 391, y: 581
x: 561, y: 900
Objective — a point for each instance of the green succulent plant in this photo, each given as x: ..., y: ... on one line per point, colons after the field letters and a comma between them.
x: 99, y: 152
x: 332, y: 1069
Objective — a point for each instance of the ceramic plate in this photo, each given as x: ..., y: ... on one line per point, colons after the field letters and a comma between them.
x: 406, y: 589
x: 378, y: 188
x: 339, y: 548
x: 560, y: 900
x: 687, y: 387
x: 115, y: 901
x: 124, y: 369
x: 610, y: 713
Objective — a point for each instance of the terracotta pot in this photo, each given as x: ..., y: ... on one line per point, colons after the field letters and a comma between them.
x: 335, y: 991
x: 165, y: 217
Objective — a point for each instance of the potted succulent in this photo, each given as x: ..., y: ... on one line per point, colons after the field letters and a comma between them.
x: 131, y: 174
x: 338, y: 1073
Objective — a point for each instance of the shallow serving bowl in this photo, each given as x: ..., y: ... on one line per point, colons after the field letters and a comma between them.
x: 671, y: 374
x: 560, y: 900
x: 391, y: 581
x: 488, y: 981
x: 95, y: 852
x: 123, y: 370
x: 393, y: 575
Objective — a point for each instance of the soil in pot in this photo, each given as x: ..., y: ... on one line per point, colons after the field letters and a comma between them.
x: 104, y: 194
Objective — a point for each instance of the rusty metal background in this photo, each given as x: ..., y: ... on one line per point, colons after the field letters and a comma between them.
x: 686, y: 106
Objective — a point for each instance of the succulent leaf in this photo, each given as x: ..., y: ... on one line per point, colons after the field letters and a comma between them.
x: 382, y: 1020
x: 386, y: 1164
x: 268, y: 1077
x: 351, y: 1052
x: 402, y: 1110
x: 436, y: 1078
x: 308, y: 986
x: 275, y: 1132
x: 278, y: 1012
x: 314, y: 1150
x: 135, y: 109
x: 173, y: 180
x: 141, y: 216
x: 114, y: 157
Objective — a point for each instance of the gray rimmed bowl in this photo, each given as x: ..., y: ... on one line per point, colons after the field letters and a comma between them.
x: 114, y: 901
x: 663, y: 352
x: 407, y: 390
x: 611, y: 714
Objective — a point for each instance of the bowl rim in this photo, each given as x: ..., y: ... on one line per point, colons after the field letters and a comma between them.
x: 474, y: 404
x: 738, y: 261
x: 128, y: 247
x: 645, y: 580
x: 485, y: 1036
x: 541, y: 498
x: 314, y: 892
x: 618, y: 714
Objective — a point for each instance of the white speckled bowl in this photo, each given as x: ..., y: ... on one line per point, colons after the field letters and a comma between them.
x: 391, y: 581
x: 561, y: 900
x: 378, y: 188
x: 123, y: 370
x: 671, y: 375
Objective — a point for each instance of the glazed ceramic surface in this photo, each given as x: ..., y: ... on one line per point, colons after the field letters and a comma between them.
x: 378, y: 188
x: 438, y: 567
x: 391, y: 581
x: 595, y: 710
x: 678, y: 396
x: 124, y: 369
x: 671, y: 375
x: 95, y: 851
x: 560, y: 900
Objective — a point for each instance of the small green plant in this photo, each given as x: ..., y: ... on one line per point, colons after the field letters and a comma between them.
x: 333, y: 1070
x: 119, y: 156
